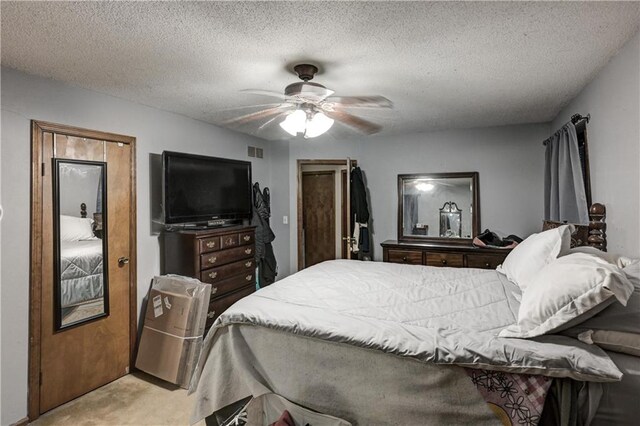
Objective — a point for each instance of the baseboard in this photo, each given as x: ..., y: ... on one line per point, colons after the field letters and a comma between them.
x: 21, y: 422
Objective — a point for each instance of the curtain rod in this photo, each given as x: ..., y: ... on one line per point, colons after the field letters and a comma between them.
x: 575, y: 119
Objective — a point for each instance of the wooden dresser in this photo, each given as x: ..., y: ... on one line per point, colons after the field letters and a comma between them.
x: 222, y: 257
x: 435, y: 254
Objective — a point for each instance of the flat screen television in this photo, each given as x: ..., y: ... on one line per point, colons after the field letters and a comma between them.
x: 201, y: 190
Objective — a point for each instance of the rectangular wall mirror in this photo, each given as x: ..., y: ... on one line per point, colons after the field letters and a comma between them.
x: 438, y: 207
x: 81, y: 281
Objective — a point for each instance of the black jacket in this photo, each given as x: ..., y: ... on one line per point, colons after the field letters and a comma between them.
x: 359, y: 206
x: 265, y: 258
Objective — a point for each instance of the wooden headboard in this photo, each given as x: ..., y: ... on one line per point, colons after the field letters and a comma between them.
x: 597, y: 227
x: 594, y: 234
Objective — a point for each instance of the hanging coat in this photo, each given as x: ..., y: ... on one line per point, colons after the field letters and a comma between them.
x: 265, y: 258
x: 359, y: 206
x: 360, y: 215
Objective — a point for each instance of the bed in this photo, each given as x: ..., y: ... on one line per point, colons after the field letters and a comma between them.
x: 82, y: 272
x: 81, y: 262
x: 378, y: 343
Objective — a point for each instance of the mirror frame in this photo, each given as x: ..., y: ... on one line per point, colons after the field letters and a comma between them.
x: 57, y: 290
x: 475, y: 216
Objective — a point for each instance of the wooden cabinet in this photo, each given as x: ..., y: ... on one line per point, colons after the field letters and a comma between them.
x: 222, y: 257
x: 434, y: 254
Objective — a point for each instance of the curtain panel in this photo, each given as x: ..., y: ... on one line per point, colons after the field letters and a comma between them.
x: 564, y: 193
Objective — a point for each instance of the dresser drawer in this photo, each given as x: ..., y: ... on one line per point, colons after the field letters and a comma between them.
x: 225, y: 256
x: 229, y: 241
x: 209, y: 244
x: 247, y: 237
x: 453, y: 260
x: 411, y: 257
x: 215, y: 275
x: 232, y: 284
x: 221, y: 304
x: 484, y: 261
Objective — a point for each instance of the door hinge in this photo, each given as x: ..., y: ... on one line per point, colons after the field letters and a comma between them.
x: 42, y: 169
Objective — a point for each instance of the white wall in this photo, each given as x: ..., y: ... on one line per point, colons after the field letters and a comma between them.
x: 279, y: 178
x: 509, y: 160
x: 26, y: 97
x: 613, y: 100
x: 78, y: 184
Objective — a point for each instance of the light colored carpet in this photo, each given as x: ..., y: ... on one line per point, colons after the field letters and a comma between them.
x: 135, y: 399
x: 78, y: 313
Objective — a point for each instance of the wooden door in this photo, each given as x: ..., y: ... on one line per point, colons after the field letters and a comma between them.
x: 319, y: 223
x: 81, y: 357
x: 347, y: 210
x: 345, y: 222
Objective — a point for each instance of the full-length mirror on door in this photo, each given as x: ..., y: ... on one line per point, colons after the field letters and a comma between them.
x: 81, y: 282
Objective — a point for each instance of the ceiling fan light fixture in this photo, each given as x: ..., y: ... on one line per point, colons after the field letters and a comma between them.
x: 317, y: 125
x: 295, y: 122
x: 309, y: 123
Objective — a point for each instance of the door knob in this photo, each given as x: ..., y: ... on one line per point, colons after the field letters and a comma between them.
x: 123, y: 261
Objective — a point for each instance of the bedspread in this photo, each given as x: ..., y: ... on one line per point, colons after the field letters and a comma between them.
x: 436, y: 315
x: 81, y: 265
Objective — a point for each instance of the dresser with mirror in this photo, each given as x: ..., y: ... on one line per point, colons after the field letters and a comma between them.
x: 438, y: 217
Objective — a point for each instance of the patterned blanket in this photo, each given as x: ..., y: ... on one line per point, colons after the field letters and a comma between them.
x: 516, y: 399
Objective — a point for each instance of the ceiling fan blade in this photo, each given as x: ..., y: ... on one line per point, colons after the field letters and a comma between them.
x: 360, y: 101
x: 261, y: 92
x: 258, y: 115
x: 356, y: 122
x: 270, y: 104
x: 271, y: 120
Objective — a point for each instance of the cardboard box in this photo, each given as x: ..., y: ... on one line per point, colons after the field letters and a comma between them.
x: 168, y: 357
x: 172, y: 313
x: 173, y: 326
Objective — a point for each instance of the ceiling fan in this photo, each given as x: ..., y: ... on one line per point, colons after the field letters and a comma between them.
x: 310, y: 109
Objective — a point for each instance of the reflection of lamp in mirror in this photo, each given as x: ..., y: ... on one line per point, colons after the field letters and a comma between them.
x: 424, y: 186
x: 450, y: 220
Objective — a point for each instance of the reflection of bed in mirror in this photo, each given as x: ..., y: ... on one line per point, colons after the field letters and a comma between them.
x: 81, y: 266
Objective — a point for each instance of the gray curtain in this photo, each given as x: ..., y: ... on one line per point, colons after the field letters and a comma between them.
x: 564, y: 194
x: 410, y: 213
x: 99, y: 197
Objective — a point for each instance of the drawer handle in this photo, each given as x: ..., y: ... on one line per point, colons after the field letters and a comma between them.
x: 247, y: 251
x: 487, y: 265
x: 248, y: 278
x: 444, y: 261
x: 212, y: 275
x: 211, y: 244
x: 404, y: 258
x: 246, y: 237
x: 248, y: 264
x: 213, y: 259
x: 214, y: 290
x: 211, y: 314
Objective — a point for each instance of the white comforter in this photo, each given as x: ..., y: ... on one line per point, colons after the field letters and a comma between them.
x: 81, y: 265
x: 436, y: 315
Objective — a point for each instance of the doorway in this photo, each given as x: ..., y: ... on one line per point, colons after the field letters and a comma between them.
x: 324, y: 228
x: 82, y: 301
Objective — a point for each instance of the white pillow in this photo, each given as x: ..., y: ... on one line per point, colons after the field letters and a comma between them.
x: 567, y: 288
x: 616, y: 341
x: 530, y: 256
x: 76, y: 228
x: 611, y: 258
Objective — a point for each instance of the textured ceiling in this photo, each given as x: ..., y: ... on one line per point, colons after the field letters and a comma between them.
x: 444, y: 65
